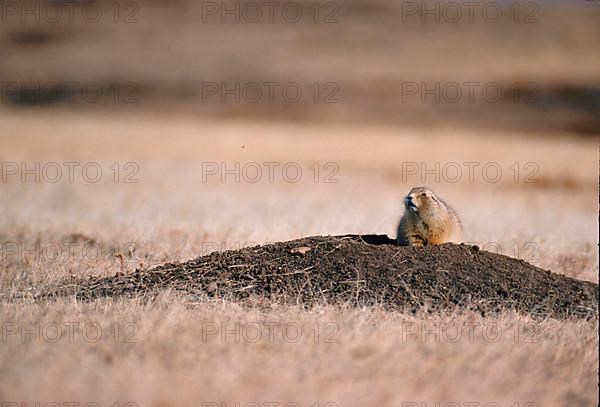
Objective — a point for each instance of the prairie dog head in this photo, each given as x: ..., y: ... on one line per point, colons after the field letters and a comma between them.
x: 423, y: 203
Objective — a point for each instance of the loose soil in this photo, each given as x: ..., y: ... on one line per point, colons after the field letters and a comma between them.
x: 358, y: 270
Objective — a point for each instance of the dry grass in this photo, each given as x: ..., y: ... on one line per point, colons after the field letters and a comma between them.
x: 180, y: 354
x: 170, y: 214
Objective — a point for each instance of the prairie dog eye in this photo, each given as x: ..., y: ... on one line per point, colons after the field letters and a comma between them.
x: 423, y: 193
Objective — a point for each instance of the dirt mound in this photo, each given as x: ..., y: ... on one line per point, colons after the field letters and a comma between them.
x: 360, y: 270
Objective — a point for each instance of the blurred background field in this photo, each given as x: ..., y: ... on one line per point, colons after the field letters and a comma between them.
x: 541, y: 56
x: 158, y: 132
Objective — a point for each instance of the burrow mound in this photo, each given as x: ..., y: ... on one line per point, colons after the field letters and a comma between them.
x: 360, y: 270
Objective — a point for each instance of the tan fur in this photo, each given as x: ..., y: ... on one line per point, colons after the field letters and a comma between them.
x: 427, y: 220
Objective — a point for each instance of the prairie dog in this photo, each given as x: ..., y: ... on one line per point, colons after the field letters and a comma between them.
x: 427, y: 220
